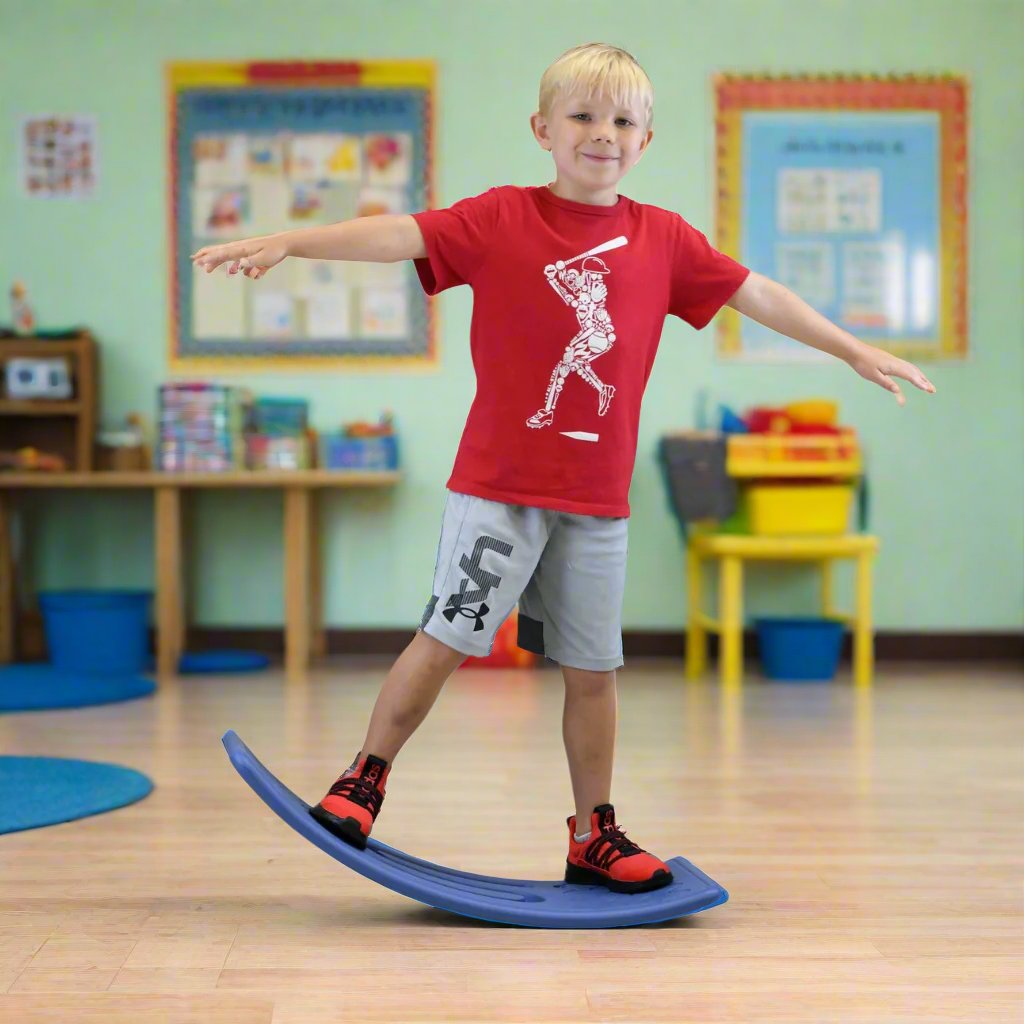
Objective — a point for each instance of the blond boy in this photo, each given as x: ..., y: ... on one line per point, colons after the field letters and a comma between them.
x: 572, y: 283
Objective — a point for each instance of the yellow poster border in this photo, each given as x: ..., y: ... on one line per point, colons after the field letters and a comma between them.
x: 947, y: 95
x: 183, y: 75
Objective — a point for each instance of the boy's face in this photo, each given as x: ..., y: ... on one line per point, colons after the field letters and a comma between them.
x: 593, y: 143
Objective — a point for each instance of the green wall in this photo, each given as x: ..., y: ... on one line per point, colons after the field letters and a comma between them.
x: 947, y: 471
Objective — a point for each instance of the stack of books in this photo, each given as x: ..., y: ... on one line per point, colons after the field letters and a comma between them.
x: 202, y: 427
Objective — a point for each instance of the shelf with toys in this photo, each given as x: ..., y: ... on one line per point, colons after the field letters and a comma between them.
x: 775, y: 484
x: 774, y: 471
x: 48, y: 396
x: 798, y: 469
x: 798, y: 440
x: 218, y: 428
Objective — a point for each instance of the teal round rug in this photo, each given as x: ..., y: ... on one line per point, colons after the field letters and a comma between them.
x: 37, y: 687
x: 38, y: 791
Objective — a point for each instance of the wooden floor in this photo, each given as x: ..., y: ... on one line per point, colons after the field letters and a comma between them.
x: 872, y: 846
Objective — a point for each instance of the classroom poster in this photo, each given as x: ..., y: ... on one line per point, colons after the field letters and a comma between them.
x: 852, y: 193
x: 262, y: 148
x: 59, y: 156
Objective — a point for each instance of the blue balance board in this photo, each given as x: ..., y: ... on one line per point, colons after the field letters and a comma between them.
x: 502, y: 900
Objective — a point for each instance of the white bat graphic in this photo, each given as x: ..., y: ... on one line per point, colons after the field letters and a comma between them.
x: 615, y: 243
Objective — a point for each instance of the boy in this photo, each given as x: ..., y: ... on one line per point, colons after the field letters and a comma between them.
x: 572, y: 283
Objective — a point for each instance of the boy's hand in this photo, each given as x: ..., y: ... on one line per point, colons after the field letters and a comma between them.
x: 880, y: 367
x: 253, y: 256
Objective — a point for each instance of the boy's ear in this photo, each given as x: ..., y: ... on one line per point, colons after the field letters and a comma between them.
x: 646, y: 143
x: 540, y: 130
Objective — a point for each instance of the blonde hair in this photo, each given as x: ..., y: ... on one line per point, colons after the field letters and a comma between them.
x: 598, y: 69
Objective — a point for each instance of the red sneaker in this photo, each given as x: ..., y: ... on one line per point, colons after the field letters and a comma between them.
x: 353, y: 802
x: 608, y: 858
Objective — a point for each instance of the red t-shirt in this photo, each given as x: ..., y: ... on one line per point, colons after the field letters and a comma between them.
x: 569, y: 301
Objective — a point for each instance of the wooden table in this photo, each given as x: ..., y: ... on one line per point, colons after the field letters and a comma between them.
x: 731, y: 550
x: 303, y: 588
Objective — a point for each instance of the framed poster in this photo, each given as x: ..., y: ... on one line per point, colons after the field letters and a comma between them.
x: 259, y: 148
x: 852, y: 192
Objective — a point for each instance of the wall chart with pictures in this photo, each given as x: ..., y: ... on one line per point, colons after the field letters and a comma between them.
x: 59, y: 156
x: 259, y: 148
x: 852, y: 192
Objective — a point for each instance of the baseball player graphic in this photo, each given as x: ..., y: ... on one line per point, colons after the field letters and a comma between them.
x: 585, y: 291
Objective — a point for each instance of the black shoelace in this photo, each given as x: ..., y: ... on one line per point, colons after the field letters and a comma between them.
x: 360, y: 790
x: 610, y: 846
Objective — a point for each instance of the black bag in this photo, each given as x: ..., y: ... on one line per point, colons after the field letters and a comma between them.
x: 694, y: 468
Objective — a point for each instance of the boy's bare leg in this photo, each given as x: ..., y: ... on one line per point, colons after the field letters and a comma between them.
x: 588, y: 728
x: 408, y: 693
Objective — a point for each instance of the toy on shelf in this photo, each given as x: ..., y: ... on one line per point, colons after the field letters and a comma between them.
x: 21, y: 312
x: 32, y: 460
x: 814, y: 412
x: 202, y: 427
x: 765, y: 420
x: 384, y: 427
x: 266, y: 451
x: 818, y: 413
x: 362, y: 445
x: 28, y: 378
x: 278, y: 435
x: 123, y: 449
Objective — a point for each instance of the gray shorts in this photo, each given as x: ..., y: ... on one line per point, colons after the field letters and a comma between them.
x: 566, y: 571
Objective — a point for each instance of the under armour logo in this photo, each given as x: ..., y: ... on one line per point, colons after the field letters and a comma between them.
x: 485, y: 581
x: 450, y: 613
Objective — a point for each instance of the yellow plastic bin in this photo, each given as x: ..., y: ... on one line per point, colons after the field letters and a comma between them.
x: 779, y: 510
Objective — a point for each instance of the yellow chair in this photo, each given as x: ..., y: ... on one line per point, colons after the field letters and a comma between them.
x: 731, y: 550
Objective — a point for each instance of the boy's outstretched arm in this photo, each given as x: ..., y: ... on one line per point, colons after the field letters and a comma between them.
x: 385, y: 238
x: 775, y: 306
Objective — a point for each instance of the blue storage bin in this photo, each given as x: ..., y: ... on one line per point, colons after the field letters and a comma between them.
x: 340, y: 452
x: 800, y: 648
x: 105, y: 632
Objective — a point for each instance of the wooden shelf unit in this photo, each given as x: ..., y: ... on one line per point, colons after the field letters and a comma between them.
x: 64, y: 427
x: 303, y: 581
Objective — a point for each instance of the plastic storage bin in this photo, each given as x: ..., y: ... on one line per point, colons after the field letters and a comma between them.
x: 796, y: 509
x: 800, y: 648
x: 340, y: 452
x: 827, y: 453
x: 98, y: 631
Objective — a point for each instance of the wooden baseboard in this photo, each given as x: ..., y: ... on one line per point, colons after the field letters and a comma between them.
x: 639, y: 644
x: 894, y: 646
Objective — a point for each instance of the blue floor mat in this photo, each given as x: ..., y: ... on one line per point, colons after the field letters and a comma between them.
x: 503, y: 900
x: 39, y: 686
x: 38, y: 791
x: 222, y: 661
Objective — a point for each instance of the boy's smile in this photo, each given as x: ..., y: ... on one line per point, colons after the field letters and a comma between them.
x: 594, y: 142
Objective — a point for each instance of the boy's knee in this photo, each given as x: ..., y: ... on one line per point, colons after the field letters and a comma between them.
x: 437, y: 654
x: 586, y: 683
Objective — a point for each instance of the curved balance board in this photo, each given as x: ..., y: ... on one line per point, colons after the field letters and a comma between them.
x: 502, y: 900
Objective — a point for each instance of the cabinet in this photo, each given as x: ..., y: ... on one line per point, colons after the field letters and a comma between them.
x: 65, y: 428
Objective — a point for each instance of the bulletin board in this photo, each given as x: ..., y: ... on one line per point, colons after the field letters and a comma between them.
x: 852, y: 192
x: 259, y: 148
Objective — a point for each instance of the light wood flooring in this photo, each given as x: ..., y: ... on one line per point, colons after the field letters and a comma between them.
x: 872, y: 845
